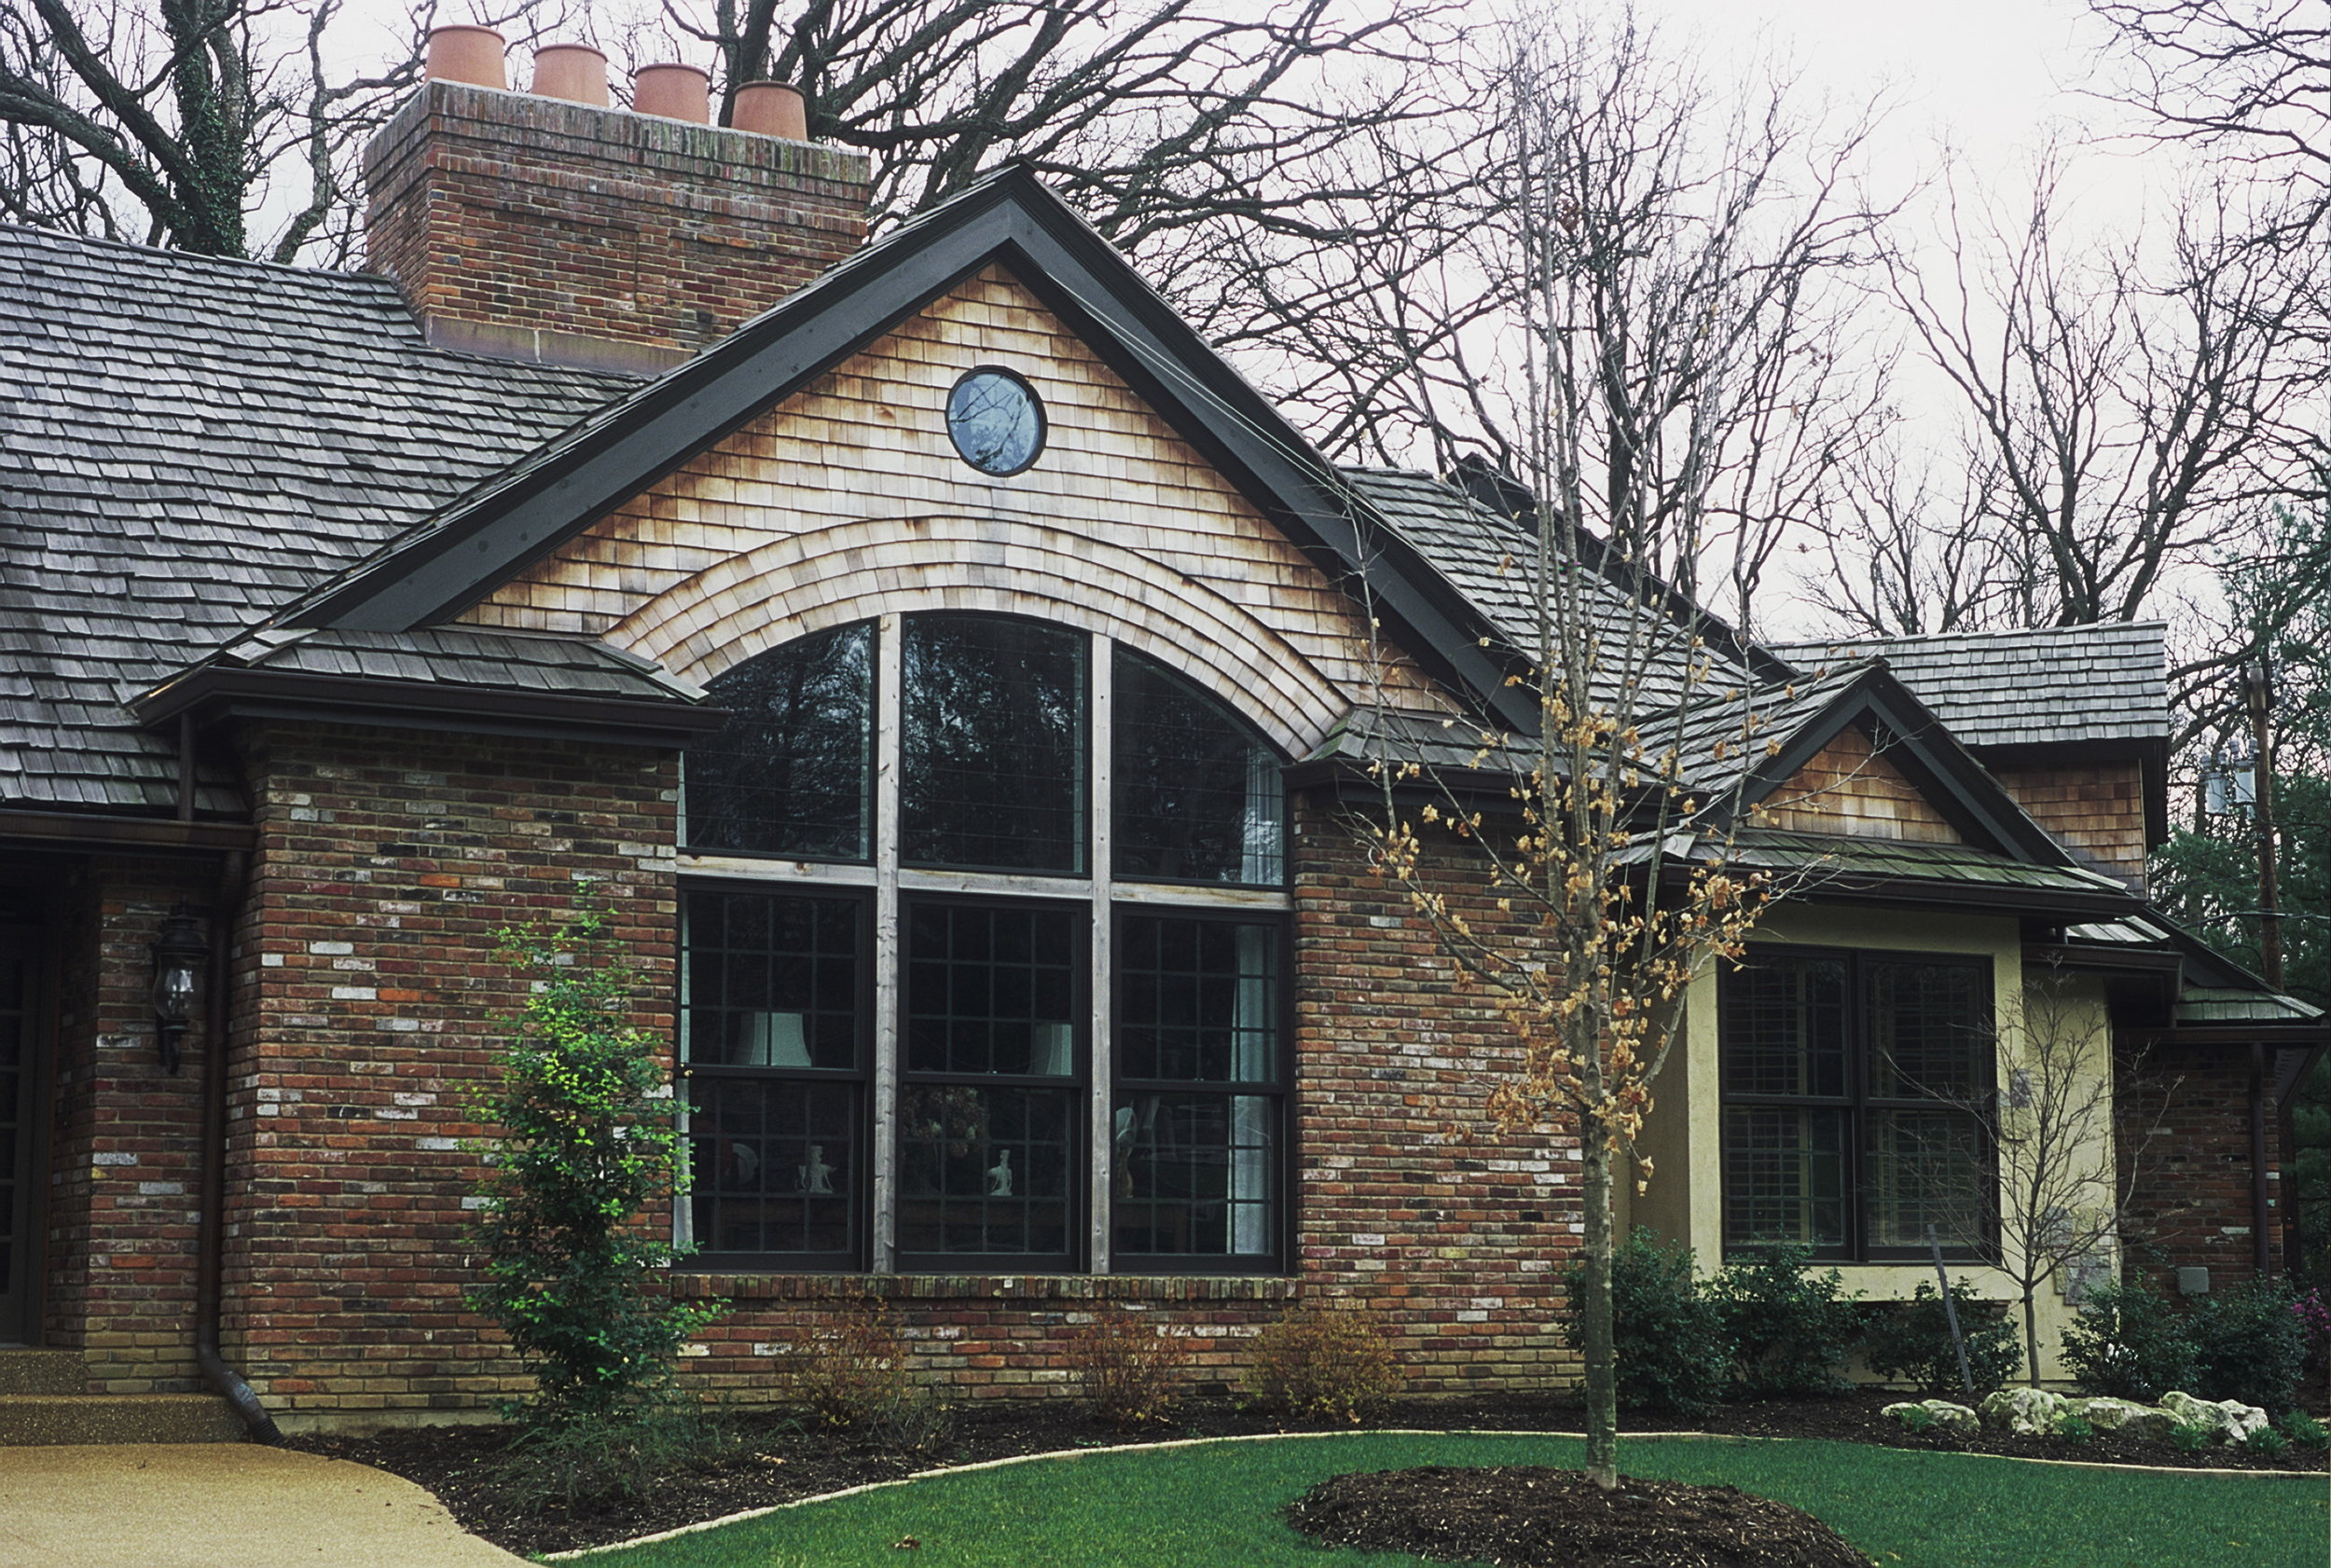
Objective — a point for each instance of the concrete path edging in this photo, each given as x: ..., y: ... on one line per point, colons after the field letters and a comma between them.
x: 739, y: 1518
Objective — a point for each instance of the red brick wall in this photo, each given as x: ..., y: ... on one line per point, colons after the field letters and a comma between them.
x: 1458, y: 1240
x: 369, y: 990
x: 2189, y: 1108
x: 123, y: 1181
x: 365, y: 995
x: 537, y: 228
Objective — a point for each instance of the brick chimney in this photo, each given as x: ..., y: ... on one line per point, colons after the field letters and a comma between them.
x: 541, y: 228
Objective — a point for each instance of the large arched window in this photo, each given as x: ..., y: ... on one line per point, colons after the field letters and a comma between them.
x: 984, y: 960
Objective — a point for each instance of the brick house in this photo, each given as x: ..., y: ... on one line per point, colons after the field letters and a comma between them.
x: 952, y: 679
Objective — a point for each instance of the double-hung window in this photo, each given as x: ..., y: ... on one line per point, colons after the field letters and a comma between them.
x: 984, y: 960
x: 1857, y: 1090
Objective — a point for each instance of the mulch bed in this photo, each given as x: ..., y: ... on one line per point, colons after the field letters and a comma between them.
x: 779, y: 1460
x: 1528, y: 1516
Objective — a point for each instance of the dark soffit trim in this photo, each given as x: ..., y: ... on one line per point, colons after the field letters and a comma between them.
x: 1012, y: 219
x: 220, y: 691
x: 80, y: 830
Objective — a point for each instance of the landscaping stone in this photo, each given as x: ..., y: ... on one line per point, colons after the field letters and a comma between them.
x: 2125, y: 1416
x: 1956, y: 1419
x: 2232, y: 1421
x: 2027, y: 1412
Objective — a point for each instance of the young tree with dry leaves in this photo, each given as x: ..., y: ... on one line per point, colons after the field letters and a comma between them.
x: 1653, y: 258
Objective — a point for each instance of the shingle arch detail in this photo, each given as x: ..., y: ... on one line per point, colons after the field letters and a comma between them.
x: 854, y: 571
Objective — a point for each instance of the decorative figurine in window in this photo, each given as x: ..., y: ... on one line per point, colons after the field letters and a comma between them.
x: 817, y: 1177
x: 1000, y: 1176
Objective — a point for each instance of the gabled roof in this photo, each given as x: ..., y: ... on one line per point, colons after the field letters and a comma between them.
x: 2045, y: 686
x: 1802, y: 721
x: 522, y: 513
x: 186, y: 443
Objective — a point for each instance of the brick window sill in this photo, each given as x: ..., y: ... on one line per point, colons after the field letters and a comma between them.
x: 1000, y: 1287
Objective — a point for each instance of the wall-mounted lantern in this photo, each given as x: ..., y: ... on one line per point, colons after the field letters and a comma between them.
x: 178, y: 955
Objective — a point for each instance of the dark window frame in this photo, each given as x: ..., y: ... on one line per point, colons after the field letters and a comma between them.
x: 1078, y: 1085
x: 1282, y: 1091
x: 859, y: 1257
x: 1859, y: 1103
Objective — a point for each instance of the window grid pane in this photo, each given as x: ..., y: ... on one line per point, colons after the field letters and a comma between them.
x: 1785, y: 1177
x: 1198, y: 798
x: 790, y: 773
x: 992, y: 770
x: 985, y: 1170
x: 776, y: 1133
x: 1196, y: 1173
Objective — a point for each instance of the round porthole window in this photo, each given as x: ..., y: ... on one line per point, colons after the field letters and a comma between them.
x: 996, y: 421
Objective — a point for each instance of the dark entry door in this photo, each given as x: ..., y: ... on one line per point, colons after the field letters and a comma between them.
x: 20, y: 1254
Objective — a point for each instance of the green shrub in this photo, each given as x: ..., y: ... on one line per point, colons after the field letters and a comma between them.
x: 2192, y: 1436
x: 1135, y: 1375
x: 1672, y: 1351
x: 585, y: 1145
x: 2075, y: 1429
x: 2266, y: 1441
x: 2130, y: 1342
x: 1322, y: 1364
x: 2251, y: 1346
x: 1791, y: 1330
x: 601, y: 1461
x: 1916, y: 1419
x: 1909, y: 1341
x: 2305, y: 1430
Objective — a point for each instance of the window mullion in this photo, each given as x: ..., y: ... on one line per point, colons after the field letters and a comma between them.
x: 889, y: 670
x: 1101, y: 686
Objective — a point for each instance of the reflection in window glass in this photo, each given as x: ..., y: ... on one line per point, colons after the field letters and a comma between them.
x: 1783, y: 1178
x: 790, y: 774
x: 775, y: 1081
x: 1196, y: 1157
x: 996, y: 421
x: 991, y: 992
x: 1198, y: 797
x: 992, y: 742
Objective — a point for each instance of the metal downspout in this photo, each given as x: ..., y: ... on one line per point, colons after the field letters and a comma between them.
x: 211, y: 1236
x: 2261, y: 1237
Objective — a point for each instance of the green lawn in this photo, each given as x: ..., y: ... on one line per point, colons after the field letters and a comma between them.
x: 1216, y: 1506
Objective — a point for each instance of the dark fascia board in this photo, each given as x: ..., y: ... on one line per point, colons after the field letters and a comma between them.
x: 74, y: 830
x: 1011, y: 219
x: 214, y: 691
x: 1977, y: 898
x: 2098, y: 958
x: 2280, y: 1037
x: 1915, y: 741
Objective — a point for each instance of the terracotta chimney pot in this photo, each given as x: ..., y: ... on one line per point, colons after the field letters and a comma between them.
x: 575, y: 72
x: 674, y: 91
x: 771, y: 109
x: 458, y: 52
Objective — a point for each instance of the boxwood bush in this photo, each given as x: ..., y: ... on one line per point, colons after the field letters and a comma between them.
x: 1674, y: 1352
